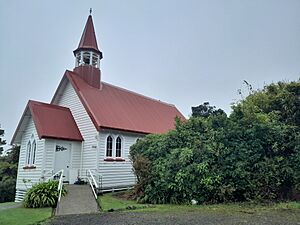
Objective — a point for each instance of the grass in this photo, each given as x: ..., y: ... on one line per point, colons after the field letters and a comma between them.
x: 24, y: 216
x: 249, y: 208
x: 112, y: 201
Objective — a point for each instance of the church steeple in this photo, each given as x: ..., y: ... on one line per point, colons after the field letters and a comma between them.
x: 87, y: 51
x: 88, y: 56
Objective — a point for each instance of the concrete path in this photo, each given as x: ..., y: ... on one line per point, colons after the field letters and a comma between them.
x: 78, y: 200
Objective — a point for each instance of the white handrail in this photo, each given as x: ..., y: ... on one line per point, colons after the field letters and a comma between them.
x: 60, y: 185
x: 93, y: 178
x: 92, y: 182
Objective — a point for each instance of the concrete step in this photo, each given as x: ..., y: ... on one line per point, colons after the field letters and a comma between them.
x: 78, y: 200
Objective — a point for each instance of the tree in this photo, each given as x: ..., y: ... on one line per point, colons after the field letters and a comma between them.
x: 205, y: 110
x: 254, y: 154
x: 2, y: 142
x: 8, y: 174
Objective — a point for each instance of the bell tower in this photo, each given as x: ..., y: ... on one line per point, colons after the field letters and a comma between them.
x: 88, y: 56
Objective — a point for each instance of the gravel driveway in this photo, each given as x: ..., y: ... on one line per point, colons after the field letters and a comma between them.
x: 279, y: 217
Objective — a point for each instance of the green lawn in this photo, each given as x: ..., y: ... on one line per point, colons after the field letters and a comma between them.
x: 24, y: 216
x: 111, y: 201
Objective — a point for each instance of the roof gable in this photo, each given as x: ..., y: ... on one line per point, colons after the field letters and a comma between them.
x: 51, y: 121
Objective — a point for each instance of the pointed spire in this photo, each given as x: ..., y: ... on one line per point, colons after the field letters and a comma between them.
x: 88, y: 39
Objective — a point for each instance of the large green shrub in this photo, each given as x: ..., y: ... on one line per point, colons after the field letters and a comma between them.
x: 254, y: 154
x: 42, y: 195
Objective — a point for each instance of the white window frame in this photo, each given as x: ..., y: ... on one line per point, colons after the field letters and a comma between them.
x: 114, y: 157
x: 28, y: 153
x: 31, y: 149
x: 121, y: 150
x: 112, y: 146
x: 33, y: 152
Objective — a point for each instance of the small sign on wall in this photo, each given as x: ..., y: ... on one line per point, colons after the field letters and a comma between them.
x: 60, y: 148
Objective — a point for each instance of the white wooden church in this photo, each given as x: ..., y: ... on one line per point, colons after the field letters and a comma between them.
x: 89, y: 125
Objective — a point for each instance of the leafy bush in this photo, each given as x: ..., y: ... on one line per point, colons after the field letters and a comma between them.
x: 254, y: 154
x: 42, y: 195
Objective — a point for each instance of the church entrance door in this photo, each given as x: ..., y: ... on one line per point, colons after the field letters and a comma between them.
x: 62, y: 158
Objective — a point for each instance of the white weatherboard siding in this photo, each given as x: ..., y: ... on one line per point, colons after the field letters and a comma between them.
x: 113, y: 174
x: 116, y: 173
x: 27, y: 177
x: 49, y: 157
x: 70, y: 99
x: 44, y: 160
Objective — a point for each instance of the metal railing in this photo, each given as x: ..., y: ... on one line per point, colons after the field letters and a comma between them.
x: 93, y: 183
x: 60, y: 185
x: 58, y: 176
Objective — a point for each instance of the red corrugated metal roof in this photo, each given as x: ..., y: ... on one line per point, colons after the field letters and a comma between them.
x: 117, y: 108
x: 53, y: 121
x: 88, y: 39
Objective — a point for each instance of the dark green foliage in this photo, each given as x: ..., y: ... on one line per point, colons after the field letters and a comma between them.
x: 2, y: 142
x: 254, y: 154
x: 8, y: 174
x: 205, y: 110
x: 43, y: 195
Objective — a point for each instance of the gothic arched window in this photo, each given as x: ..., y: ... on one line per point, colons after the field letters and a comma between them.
x: 33, y: 151
x: 118, y: 147
x: 28, y: 153
x: 109, y: 145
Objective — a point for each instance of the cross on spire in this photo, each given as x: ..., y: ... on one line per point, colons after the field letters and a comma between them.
x: 91, y: 11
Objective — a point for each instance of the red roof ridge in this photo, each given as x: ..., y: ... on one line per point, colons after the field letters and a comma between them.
x: 141, y: 95
x: 48, y: 105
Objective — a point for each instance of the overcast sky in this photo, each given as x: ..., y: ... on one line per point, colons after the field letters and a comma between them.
x: 182, y: 52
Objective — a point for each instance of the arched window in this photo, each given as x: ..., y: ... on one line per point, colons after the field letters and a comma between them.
x: 109, y: 144
x: 33, y: 151
x: 118, y: 147
x: 28, y: 153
